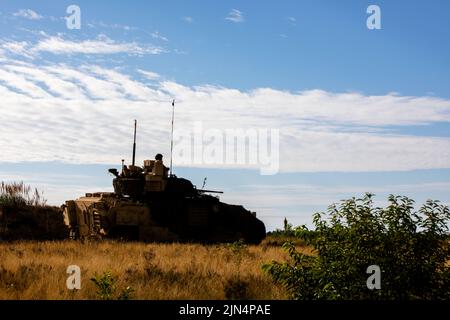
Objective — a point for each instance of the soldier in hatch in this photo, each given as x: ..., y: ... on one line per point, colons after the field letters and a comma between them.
x: 159, y: 163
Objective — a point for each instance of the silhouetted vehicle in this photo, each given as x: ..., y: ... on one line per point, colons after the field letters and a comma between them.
x: 149, y: 204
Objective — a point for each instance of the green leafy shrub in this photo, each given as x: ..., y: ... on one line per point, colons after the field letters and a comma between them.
x: 411, y: 248
x: 106, y: 287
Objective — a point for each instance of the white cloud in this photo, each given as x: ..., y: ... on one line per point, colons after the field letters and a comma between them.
x: 177, y: 51
x: 101, y: 45
x: 58, y: 45
x: 83, y: 114
x: 298, y: 202
x: 18, y: 48
x: 292, y: 21
x: 235, y: 16
x: 157, y: 35
x: 188, y: 19
x: 149, y: 75
x: 28, y: 14
x: 102, y: 24
x: 56, y: 86
x: 314, y: 194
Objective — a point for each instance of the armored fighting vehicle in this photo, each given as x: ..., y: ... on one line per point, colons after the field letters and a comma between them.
x: 149, y: 204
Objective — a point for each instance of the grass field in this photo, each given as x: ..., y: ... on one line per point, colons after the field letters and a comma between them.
x: 37, y: 270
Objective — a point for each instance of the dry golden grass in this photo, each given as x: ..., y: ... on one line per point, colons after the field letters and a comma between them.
x: 37, y: 270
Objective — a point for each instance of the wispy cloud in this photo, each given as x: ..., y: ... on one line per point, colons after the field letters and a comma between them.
x: 274, y: 201
x: 54, y: 111
x: 235, y: 16
x: 159, y: 36
x: 292, y: 21
x: 317, y: 194
x: 149, y: 75
x: 101, y: 24
x: 101, y: 45
x: 123, y: 27
x: 21, y: 48
x: 188, y: 19
x: 28, y: 14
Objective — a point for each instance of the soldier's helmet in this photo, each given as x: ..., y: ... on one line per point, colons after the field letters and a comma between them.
x: 159, y: 157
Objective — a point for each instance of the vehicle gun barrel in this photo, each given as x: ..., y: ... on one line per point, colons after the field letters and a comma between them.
x: 210, y: 191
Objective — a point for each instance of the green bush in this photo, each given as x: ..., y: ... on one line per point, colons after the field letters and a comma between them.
x: 411, y: 248
x: 106, y: 287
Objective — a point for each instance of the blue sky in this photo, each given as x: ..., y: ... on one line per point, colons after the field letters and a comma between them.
x: 358, y: 110
x: 328, y: 46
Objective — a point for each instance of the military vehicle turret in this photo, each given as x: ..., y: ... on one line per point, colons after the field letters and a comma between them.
x: 149, y: 204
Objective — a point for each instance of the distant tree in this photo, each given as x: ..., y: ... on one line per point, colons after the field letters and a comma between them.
x: 286, y: 232
x: 411, y: 249
x: 287, y: 226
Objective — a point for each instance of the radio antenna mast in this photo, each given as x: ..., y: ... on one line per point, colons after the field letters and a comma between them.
x: 171, y: 141
x: 134, y: 143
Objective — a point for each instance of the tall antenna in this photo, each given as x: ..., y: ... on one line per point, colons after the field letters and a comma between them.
x: 171, y: 141
x: 134, y: 143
